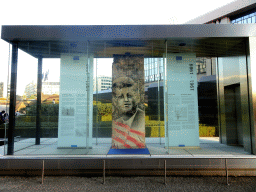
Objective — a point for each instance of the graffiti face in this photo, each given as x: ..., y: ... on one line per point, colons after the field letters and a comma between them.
x: 128, y: 115
x: 125, y: 99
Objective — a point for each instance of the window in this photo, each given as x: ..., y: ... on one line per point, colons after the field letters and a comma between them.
x: 201, y: 65
x: 246, y: 18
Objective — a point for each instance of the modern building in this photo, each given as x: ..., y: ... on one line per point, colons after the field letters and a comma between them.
x: 1, y: 89
x: 180, y: 53
x: 30, y: 89
x: 236, y: 12
x: 50, y: 88
x: 102, y: 82
x: 204, y: 66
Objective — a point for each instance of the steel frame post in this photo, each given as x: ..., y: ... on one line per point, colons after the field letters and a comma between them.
x: 38, y: 103
x: 14, y: 63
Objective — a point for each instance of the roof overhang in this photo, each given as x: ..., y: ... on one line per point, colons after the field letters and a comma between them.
x: 149, y: 40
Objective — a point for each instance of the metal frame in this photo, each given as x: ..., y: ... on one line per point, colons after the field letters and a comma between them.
x: 38, y: 105
x: 206, y: 38
x: 251, y: 68
x: 10, y: 149
x: 130, y: 166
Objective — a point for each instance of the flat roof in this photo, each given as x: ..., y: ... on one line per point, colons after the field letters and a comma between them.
x: 150, y: 40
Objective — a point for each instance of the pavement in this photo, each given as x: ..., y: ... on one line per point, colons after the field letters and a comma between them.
x: 209, y: 147
x: 79, y: 183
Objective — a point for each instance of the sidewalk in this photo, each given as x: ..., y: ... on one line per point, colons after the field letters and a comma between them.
x: 73, y: 183
x: 208, y: 147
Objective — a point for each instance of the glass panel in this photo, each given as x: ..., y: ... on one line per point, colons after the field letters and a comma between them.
x: 207, y: 102
x: 66, y: 104
x: 26, y: 99
x: 76, y: 100
x: 4, y: 94
x: 82, y: 109
x: 245, y: 19
x: 50, y: 104
x: 253, y: 19
x: 154, y: 119
x: 102, y: 103
x: 102, y: 99
x: 182, y: 108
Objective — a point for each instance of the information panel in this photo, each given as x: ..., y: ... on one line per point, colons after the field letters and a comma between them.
x: 182, y: 128
x: 75, y: 105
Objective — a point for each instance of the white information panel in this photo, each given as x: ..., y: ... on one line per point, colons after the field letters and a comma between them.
x: 76, y: 101
x: 182, y: 128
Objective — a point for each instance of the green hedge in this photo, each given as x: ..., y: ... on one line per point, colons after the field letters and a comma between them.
x: 152, y: 127
x: 207, y: 131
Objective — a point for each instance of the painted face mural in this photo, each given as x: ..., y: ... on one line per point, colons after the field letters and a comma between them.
x: 125, y: 95
x: 125, y: 100
x: 128, y: 125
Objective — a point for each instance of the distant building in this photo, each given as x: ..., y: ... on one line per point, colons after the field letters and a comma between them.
x: 1, y: 89
x: 8, y: 89
x: 236, y: 12
x: 205, y: 67
x: 154, y: 68
x: 30, y: 89
x: 50, y: 88
x: 103, y: 83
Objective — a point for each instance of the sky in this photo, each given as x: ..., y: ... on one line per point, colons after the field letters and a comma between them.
x: 93, y: 12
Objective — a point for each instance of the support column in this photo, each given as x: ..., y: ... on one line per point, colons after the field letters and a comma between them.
x: 251, y: 60
x: 10, y: 149
x: 38, y: 104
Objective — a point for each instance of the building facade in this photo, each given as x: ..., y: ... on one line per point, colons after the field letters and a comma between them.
x: 204, y: 66
x: 1, y: 89
x: 236, y: 12
x: 102, y: 83
x: 30, y: 89
x: 50, y: 88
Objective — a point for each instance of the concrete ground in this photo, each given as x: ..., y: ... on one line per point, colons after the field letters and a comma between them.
x: 74, y: 183
x: 208, y: 146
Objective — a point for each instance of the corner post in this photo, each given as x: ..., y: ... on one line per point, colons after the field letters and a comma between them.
x: 38, y: 103
x: 10, y: 149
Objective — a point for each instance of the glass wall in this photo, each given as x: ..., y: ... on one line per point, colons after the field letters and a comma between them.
x: 49, y: 106
x: 102, y: 98
x: 26, y: 99
x: 4, y: 93
x: 248, y: 17
x: 207, y: 97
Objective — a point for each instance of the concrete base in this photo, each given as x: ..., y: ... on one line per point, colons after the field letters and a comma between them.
x: 212, y: 158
